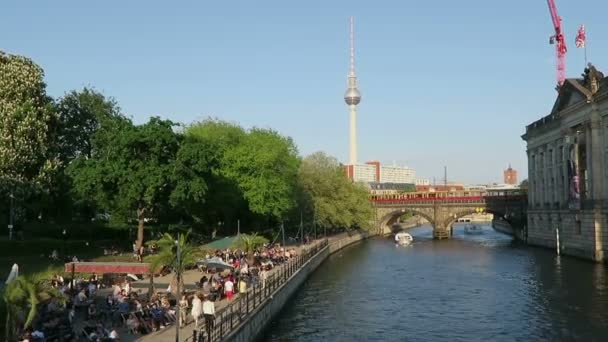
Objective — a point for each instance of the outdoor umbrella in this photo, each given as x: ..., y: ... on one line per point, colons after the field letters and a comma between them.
x: 215, y: 262
x: 14, y: 274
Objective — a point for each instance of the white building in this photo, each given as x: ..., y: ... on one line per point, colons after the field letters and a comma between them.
x: 365, y: 173
x: 423, y: 181
x: 397, y: 174
x: 372, y: 171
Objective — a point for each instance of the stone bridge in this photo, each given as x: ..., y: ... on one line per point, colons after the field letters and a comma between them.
x: 442, y: 209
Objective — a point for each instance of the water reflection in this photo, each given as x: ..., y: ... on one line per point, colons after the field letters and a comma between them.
x: 469, y: 288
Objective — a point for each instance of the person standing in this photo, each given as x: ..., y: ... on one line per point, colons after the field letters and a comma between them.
x: 197, y: 309
x: 264, y: 276
x: 209, y: 314
x: 229, y: 289
x: 183, y: 311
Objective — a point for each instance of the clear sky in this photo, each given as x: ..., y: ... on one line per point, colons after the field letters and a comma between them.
x: 444, y: 82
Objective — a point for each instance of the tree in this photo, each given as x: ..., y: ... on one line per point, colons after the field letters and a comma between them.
x: 333, y: 198
x: 212, y: 138
x: 167, y: 256
x: 25, y: 294
x: 81, y: 115
x: 265, y: 167
x: 133, y: 173
x: 27, y: 128
x: 524, y: 184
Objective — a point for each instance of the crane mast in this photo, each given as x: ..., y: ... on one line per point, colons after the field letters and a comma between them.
x: 560, y: 43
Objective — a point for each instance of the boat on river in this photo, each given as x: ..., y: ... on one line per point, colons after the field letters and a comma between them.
x: 472, y: 229
x: 403, y: 239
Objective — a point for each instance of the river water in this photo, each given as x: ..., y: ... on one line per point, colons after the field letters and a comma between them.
x: 470, y: 288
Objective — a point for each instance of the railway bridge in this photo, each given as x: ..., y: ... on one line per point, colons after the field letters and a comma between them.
x: 441, y: 209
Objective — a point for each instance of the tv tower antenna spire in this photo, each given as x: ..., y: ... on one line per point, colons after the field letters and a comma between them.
x: 352, y: 47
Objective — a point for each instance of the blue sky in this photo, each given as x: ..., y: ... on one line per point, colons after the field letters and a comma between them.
x: 444, y: 82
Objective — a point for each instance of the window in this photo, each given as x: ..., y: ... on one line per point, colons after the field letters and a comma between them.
x: 577, y: 227
x: 560, y: 154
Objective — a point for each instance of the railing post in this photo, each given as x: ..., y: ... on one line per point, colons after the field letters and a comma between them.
x: 247, y: 296
x: 221, y: 328
x: 194, y: 335
x: 232, y: 317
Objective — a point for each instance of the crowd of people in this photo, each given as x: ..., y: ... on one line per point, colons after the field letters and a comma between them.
x: 125, y: 309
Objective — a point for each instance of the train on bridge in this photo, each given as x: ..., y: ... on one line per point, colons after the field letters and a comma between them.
x: 459, y: 195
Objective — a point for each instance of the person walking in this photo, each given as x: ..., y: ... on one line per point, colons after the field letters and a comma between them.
x: 183, y: 311
x: 209, y: 314
x: 197, y: 309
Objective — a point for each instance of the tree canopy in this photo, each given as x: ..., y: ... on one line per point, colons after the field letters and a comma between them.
x: 79, y: 158
x: 334, y: 199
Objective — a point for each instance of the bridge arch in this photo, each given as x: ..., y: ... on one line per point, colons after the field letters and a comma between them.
x: 454, y: 215
x: 388, y: 219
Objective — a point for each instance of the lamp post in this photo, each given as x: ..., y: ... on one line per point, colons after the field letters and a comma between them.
x: 10, y: 222
x: 64, y: 233
x: 178, y: 290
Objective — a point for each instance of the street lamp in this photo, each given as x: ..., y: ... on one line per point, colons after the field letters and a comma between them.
x: 64, y: 233
x: 10, y: 222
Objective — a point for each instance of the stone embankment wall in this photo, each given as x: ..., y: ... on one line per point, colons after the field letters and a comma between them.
x: 582, y: 233
x: 254, y: 326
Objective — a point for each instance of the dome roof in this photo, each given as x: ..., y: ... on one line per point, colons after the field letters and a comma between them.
x: 352, y: 96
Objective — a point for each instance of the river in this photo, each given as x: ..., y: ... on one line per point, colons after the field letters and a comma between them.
x: 470, y: 288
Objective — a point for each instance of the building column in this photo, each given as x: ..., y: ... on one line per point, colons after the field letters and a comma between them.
x: 596, y: 181
x: 531, y: 179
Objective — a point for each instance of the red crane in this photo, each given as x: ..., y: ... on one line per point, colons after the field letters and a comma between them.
x: 560, y: 43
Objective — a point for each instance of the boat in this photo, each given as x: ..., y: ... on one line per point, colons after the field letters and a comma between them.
x: 403, y: 239
x: 472, y: 229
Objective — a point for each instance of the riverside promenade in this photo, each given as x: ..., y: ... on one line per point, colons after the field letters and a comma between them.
x: 252, y: 297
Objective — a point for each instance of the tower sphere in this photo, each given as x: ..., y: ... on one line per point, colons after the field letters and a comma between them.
x: 352, y: 96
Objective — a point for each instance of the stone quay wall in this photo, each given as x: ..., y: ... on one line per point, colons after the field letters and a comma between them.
x: 582, y: 233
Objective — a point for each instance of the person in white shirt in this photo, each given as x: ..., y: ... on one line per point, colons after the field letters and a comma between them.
x: 229, y: 289
x: 209, y: 314
x: 197, y: 309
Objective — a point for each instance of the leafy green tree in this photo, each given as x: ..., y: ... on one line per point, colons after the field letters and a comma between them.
x: 167, y: 256
x: 27, y: 128
x: 212, y: 139
x: 25, y: 294
x: 335, y: 200
x: 265, y: 167
x: 134, y: 173
x: 81, y: 114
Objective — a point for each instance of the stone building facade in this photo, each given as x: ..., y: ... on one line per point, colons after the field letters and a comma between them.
x: 567, y: 172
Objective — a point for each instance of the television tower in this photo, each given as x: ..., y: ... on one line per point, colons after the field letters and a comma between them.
x: 352, y: 97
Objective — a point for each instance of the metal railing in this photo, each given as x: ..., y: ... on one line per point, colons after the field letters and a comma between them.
x: 243, y: 305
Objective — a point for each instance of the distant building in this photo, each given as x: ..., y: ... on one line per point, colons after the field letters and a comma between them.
x: 510, y: 176
x: 397, y: 174
x: 442, y: 187
x: 422, y: 181
x: 378, y: 188
x: 372, y: 171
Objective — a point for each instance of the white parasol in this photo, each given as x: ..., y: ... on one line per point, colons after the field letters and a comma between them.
x: 14, y: 274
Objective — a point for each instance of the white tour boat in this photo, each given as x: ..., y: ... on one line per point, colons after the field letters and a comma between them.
x: 403, y: 239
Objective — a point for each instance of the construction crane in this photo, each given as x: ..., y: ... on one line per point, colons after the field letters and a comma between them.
x: 560, y: 43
